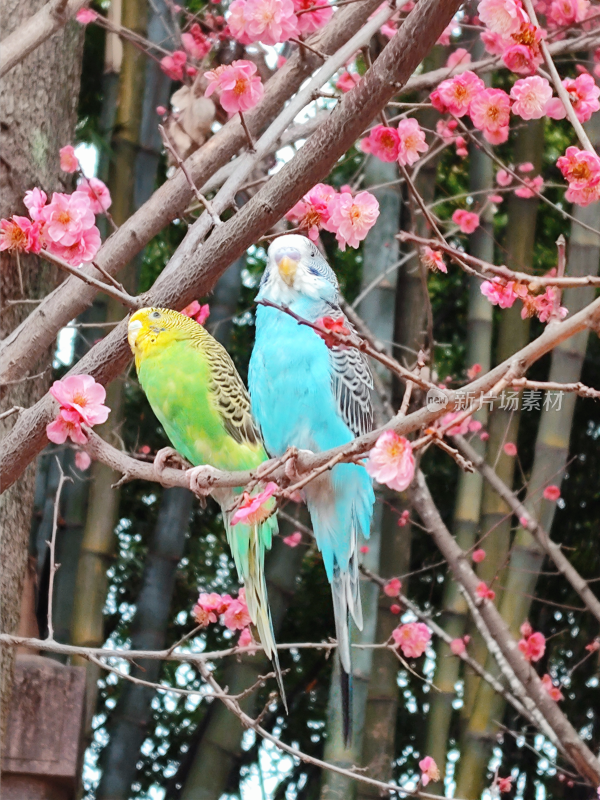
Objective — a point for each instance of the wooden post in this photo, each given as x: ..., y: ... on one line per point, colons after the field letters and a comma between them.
x: 42, y: 752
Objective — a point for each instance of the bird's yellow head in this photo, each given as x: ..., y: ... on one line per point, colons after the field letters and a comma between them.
x: 152, y: 327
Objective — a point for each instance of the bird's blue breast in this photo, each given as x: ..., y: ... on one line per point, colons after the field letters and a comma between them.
x: 290, y: 385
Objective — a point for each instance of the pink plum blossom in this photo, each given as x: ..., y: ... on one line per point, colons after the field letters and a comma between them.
x: 197, y: 312
x: 552, y: 493
x: 484, y: 591
x: 499, y: 293
x: 395, y: 608
x: 66, y: 217
x: 478, y: 555
x: 391, y: 461
x: 526, y: 629
x: 455, y: 95
x: 411, y: 142
x: 503, y: 17
x: 525, y: 56
x: 236, y: 616
x: 446, y: 129
x: 266, y: 21
x: 311, y: 21
x: 503, y: 178
x: 533, y: 646
x: 83, y: 250
x: 97, y: 193
x: 583, y: 94
x: 582, y: 171
x: 245, y: 639
x: 403, y: 518
x: 82, y: 460
x: 35, y: 200
x: 530, y: 187
x: 460, y: 429
x: 255, y: 508
x: 173, y: 65
x: 510, y: 448
x: 444, y: 37
x: 458, y: 57
x: 240, y: 88
x: 494, y: 43
x: 554, y: 692
x: 393, y: 587
x: 490, y: 113
x: 382, y: 142
x: 412, y: 638
x: 433, y: 260
x: 312, y: 212
x: 457, y: 646
x: 293, y: 540
x: 85, y: 15
x: 504, y: 784
x: 67, y: 425
x: 474, y: 371
x: 351, y: 218
x: 530, y: 95
x: 347, y: 81
x: 20, y: 235
x: 195, y: 42
x: 81, y: 393
x: 567, y: 12
x: 68, y: 159
x: 467, y: 221
x: 429, y: 770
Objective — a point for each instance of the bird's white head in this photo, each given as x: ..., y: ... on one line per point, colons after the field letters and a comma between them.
x: 296, y: 268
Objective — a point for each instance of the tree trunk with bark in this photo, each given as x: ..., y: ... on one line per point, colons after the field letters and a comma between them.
x: 38, y: 112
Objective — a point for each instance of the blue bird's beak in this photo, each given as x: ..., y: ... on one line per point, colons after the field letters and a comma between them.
x: 287, y: 262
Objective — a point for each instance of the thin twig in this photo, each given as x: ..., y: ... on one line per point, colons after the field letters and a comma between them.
x: 52, y: 545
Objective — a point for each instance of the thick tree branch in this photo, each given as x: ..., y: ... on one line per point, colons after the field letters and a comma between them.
x: 23, y: 347
x: 227, y: 242
x: 34, y: 31
x: 20, y: 350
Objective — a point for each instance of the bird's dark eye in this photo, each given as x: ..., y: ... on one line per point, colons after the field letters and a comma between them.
x: 155, y: 315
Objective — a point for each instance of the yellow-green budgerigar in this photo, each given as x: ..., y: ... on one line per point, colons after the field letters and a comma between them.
x: 196, y: 393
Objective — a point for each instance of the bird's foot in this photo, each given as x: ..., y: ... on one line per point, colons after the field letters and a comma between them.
x: 291, y: 466
x: 168, y: 457
x: 201, y: 479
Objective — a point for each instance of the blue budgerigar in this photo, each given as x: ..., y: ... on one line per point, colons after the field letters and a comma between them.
x: 313, y: 397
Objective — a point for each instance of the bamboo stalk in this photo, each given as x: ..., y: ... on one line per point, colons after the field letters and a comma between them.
x: 470, y: 484
x: 503, y: 427
x: 377, y: 312
x: 98, y: 542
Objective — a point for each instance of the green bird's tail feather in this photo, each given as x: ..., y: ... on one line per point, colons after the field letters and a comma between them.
x: 248, y: 545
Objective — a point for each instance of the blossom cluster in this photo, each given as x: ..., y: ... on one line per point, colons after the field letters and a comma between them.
x: 233, y: 613
x: 81, y: 402
x: 533, y: 643
x: 349, y: 216
x: 65, y: 226
x: 274, y: 21
x: 504, y: 293
x: 403, y: 144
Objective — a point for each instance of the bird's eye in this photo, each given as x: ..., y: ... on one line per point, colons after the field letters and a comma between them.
x: 155, y: 315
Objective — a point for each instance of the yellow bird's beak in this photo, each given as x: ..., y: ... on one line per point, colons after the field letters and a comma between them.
x: 287, y: 269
